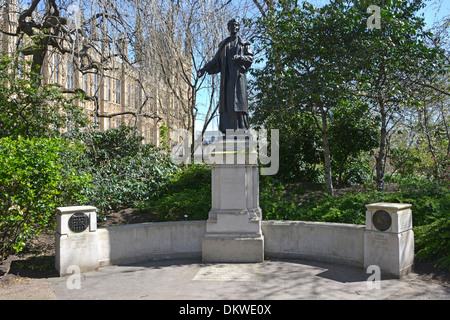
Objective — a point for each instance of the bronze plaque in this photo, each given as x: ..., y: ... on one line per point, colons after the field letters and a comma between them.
x: 381, y: 219
x: 78, y: 222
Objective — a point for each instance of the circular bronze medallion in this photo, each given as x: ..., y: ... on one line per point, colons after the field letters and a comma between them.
x: 381, y: 219
x: 78, y: 222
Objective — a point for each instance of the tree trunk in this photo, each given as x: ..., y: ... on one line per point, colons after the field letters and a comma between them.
x: 447, y: 131
x: 429, y: 140
x: 326, y: 153
x: 192, y: 128
x: 341, y: 170
x: 382, y: 153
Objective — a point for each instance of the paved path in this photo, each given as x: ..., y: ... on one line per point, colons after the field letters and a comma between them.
x: 193, y: 280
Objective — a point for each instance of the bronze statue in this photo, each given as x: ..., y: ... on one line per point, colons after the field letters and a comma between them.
x: 232, y: 60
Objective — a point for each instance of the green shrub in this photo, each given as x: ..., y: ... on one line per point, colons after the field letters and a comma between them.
x: 115, y: 143
x: 188, y: 204
x: 444, y: 169
x: 431, y: 220
x: 125, y: 173
x: 345, y: 209
x: 430, y: 206
x: 430, y: 200
x: 187, y: 197
x: 273, y: 201
x: 36, y: 176
x: 356, y: 172
x: 125, y: 182
x: 432, y: 242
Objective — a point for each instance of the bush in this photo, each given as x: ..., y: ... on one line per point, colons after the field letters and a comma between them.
x: 431, y: 219
x: 444, y: 169
x: 356, y: 172
x: 430, y: 200
x: 128, y: 181
x: 36, y: 176
x: 430, y: 205
x: 103, y: 146
x: 349, y: 208
x: 433, y: 242
x: 125, y: 173
x: 273, y: 201
x: 187, y: 197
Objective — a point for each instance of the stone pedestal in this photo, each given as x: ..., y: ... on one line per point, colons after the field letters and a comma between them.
x: 76, y: 240
x: 233, y: 228
x: 389, y: 238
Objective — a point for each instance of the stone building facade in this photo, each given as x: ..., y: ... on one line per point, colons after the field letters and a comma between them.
x: 125, y: 93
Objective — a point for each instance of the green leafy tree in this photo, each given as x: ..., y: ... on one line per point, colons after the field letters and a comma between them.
x: 36, y: 176
x: 308, y: 68
x: 395, y: 63
x: 29, y: 108
x: 299, y: 147
x: 319, y: 59
x: 353, y: 130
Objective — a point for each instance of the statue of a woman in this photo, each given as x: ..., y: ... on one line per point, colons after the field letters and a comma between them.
x: 232, y: 60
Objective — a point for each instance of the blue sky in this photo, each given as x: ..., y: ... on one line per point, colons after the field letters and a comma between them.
x: 433, y: 12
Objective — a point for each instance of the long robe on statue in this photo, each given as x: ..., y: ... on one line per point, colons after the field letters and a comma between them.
x: 233, y: 100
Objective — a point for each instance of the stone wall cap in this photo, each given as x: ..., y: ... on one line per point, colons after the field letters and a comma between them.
x: 68, y: 210
x: 319, y: 224
x: 387, y: 205
x: 153, y: 224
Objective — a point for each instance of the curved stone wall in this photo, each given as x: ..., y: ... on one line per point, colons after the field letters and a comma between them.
x: 89, y: 247
x: 336, y: 242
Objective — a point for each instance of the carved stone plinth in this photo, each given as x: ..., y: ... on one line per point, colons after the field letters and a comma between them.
x: 233, y: 229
